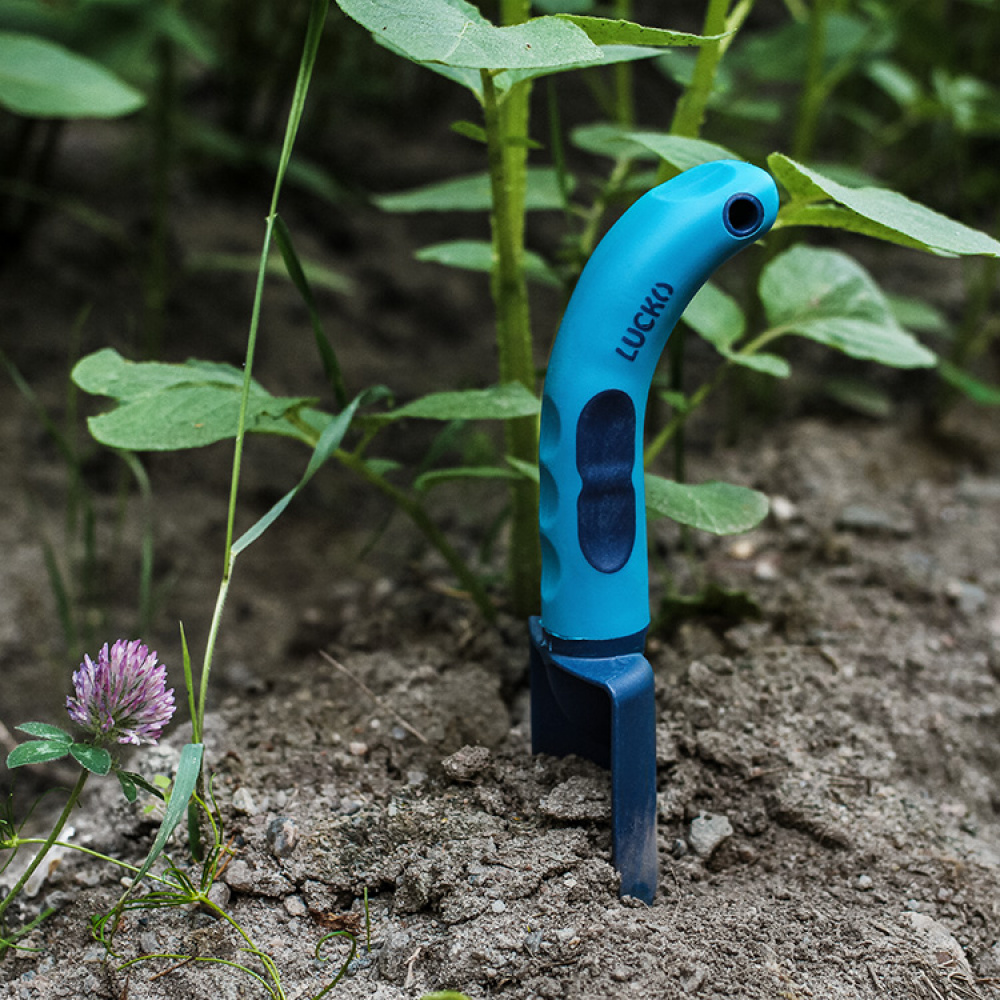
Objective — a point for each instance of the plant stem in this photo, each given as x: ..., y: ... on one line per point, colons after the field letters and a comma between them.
x: 624, y: 90
x: 20, y: 841
x: 674, y: 428
x: 689, y: 115
x: 317, y: 18
x: 814, y: 88
x: 506, y: 132
x: 74, y: 797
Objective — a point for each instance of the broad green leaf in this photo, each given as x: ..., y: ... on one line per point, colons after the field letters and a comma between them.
x: 675, y: 400
x: 45, y: 731
x: 720, y: 508
x: 477, y: 255
x: 463, y: 473
x: 916, y: 314
x: 716, y: 316
x: 94, y: 759
x: 328, y: 443
x: 565, y: 6
x: 471, y: 131
x: 37, y: 752
x: 829, y: 216
x: 879, y: 211
x: 606, y: 139
x: 455, y: 34
x: 188, y: 769
x: 862, y: 397
x: 127, y: 786
x: 501, y: 402
x: 45, y: 80
x: 765, y: 364
x: 681, y: 152
x: 137, y: 781
x: 168, y: 406
x: 190, y: 417
x: 472, y: 194
x: 830, y: 298
x: 381, y: 467
x: 610, y: 55
x: 107, y: 373
x: 901, y: 85
x: 979, y: 392
x: 604, y: 31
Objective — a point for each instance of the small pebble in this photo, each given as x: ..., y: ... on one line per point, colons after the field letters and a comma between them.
x: 498, y: 906
x: 968, y: 597
x: 862, y: 519
x: 295, y: 906
x: 219, y: 894
x: 533, y: 942
x: 149, y: 942
x: 707, y: 832
x: 357, y: 748
x: 865, y: 882
x: 783, y: 510
x: 243, y: 802
x: 282, y: 836
x: 467, y: 763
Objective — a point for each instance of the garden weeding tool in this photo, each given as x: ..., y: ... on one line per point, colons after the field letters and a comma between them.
x: 591, y: 687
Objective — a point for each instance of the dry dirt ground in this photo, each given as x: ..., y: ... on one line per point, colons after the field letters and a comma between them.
x: 827, y: 781
x: 828, y: 769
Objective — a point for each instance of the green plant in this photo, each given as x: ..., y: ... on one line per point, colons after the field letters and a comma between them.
x: 120, y: 699
x: 43, y: 84
x: 822, y: 295
x: 178, y: 886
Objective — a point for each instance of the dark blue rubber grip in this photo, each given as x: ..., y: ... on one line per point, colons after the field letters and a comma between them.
x: 605, y: 458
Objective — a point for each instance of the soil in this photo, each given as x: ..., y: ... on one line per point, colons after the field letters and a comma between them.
x: 828, y: 760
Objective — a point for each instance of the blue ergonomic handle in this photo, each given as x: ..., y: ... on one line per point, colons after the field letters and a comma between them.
x: 638, y: 281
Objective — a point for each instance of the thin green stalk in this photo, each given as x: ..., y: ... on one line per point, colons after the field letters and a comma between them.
x: 506, y: 132
x: 623, y: 76
x: 689, y: 115
x: 74, y: 797
x: 22, y: 841
x: 814, y: 88
x: 317, y: 18
x: 673, y: 428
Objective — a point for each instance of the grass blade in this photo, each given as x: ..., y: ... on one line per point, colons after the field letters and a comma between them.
x: 185, y: 781
x: 331, y: 366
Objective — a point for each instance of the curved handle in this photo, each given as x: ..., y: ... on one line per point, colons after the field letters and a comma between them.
x: 638, y: 281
